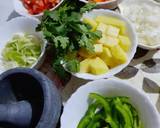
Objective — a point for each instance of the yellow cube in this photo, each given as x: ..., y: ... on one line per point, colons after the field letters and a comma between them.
x: 108, y: 41
x: 107, y: 57
x: 91, y: 22
x: 102, y: 27
x: 85, y: 66
x: 98, y: 66
x: 113, y: 31
x: 112, y: 21
x: 86, y: 54
x: 118, y: 54
x: 125, y: 43
x: 98, y: 48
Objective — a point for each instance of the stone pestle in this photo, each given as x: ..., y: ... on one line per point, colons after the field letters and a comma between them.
x: 16, y: 113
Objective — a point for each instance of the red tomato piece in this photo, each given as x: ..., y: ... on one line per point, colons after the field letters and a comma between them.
x: 38, y: 6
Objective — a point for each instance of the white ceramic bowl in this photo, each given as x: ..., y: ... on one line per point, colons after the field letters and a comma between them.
x: 20, y: 9
x: 131, y: 34
x: 107, y: 4
x: 152, y: 3
x: 20, y: 25
x: 77, y: 105
x: 6, y: 9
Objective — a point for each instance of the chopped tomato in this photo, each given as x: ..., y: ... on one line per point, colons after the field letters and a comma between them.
x: 38, y: 6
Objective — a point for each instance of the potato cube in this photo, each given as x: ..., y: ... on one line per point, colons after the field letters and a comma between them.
x: 98, y: 48
x: 91, y: 22
x: 125, y: 43
x: 112, y: 21
x: 113, y: 31
x: 107, y: 57
x: 118, y: 54
x: 108, y: 41
x: 86, y: 54
x: 102, y: 27
x: 84, y: 66
x: 107, y: 52
x: 98, y: 66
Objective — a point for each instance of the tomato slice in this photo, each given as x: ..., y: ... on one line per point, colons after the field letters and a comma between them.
x: 38, y: 6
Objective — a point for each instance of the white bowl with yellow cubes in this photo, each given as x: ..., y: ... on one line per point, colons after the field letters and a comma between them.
x: 114, y: 51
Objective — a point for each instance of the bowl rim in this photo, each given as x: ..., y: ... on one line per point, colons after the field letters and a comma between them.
x: 30, y: 15
x: 132, y: 53
x: 43, y: 40
x: 101, y: 3
x: 148, y: 47
x: 116, y: 80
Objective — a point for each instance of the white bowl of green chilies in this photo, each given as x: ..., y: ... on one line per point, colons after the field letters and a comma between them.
x: 109, y: 103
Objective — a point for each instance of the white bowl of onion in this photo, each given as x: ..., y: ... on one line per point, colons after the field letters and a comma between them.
x: 144, y: 15
x: 29, y: 54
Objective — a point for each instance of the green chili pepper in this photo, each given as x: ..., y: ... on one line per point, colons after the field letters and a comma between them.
x: 91, y: 109
x: 129, y: 112
x: 110, y: 112
x: 94, y: 120
x: 111, y: 122
x: 115, y: 116
x: 84, y: 122
x: 88, y: 116
x: 119, y: 106
x: 102, y: 101
x: 96, y: 125
x: 136, y: 121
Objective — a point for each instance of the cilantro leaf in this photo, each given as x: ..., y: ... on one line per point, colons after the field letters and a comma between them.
x: 64, y: 29
x: 61, y: 41
x: 88, y: 7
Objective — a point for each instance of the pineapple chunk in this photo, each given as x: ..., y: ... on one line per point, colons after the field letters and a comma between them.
x: 91, y: 22
x: 113, y: 31
x: 107, y: 57
x: 112, y: 21
x: 102, y: 27
x: 118, y: 54
x: 108, y: 41
x: 98, y: 66
x: 125, y: 43
x: 98, y: 48
x: 84, y: 66
x: 86, y: 54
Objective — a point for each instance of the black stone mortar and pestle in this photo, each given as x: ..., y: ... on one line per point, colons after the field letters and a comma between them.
x: 28, y: 99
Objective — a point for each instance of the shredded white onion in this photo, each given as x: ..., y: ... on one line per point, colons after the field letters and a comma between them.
x: 146, y: 20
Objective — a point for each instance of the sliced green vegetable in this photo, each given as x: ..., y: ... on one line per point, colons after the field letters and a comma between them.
x: 88, y: 116
x: 110, y: 112
x: 84, y: 122
x: 120, y: 107
x: 100, y: 99
x: 23, y: 50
